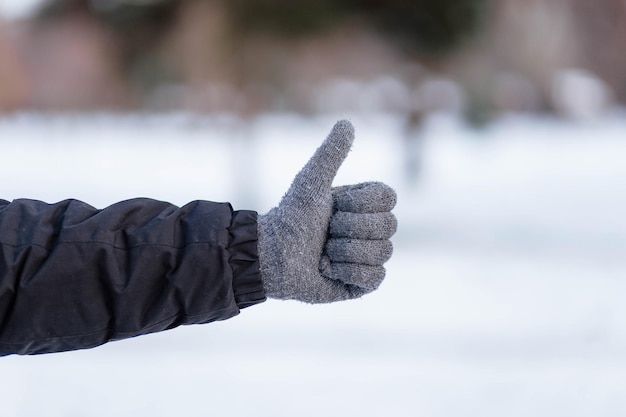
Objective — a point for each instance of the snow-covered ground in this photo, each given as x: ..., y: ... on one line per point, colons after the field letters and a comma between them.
x: 505, y: 295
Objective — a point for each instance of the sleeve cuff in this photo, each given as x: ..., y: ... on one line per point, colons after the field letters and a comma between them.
x: 244, y: 259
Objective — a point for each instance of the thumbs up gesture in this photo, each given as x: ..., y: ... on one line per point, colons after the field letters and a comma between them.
x: 323, y: 244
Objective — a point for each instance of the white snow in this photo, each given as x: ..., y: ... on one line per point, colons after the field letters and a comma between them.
x: 504, y: 296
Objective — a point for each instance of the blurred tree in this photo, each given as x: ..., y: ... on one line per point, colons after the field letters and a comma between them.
x: 416, y: 26
x: 139, y: 24
x: 199, y: 42
x: 288, y: 17
x: 425, y: 26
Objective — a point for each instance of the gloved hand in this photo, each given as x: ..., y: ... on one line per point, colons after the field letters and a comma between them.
x: 324, y: 244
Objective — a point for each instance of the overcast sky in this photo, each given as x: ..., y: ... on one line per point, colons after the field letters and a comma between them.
x: 16, y: 8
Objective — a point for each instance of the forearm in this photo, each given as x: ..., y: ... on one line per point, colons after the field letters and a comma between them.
x: 75, y: 277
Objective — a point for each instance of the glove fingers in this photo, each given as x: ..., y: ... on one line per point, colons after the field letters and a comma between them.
x: 368, y: 252
x: 331, y: 290
x: 366, y: 277
x: 351, y: 280
x: 368, y: 197
x: 313, y: 182
x: 363, y: 225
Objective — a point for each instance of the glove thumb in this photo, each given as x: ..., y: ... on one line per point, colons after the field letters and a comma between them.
x: 314, y: 181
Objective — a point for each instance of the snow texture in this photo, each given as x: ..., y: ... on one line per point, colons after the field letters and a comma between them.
x: 505, y: 295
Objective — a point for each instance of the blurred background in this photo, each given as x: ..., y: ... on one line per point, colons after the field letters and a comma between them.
x: 478, y: 57
x: 500, y: 124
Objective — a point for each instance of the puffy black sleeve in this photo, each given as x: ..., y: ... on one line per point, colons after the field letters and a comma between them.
x: 75, y: 277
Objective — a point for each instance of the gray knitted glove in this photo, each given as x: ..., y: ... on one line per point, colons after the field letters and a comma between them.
x: 324, y: 244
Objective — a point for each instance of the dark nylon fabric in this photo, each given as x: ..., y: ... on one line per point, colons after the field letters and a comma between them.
x: 75, y: 277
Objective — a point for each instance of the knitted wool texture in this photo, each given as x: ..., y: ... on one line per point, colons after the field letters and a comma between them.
x: 323, y: 244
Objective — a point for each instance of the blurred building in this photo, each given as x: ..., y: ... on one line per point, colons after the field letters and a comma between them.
x: 13, y: 78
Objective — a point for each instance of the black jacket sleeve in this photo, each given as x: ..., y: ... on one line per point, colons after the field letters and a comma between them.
x: 75, y: 277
